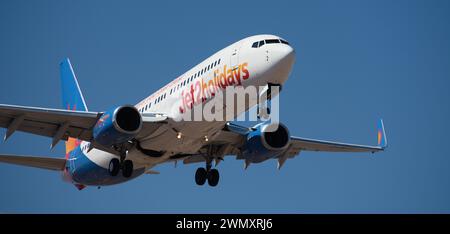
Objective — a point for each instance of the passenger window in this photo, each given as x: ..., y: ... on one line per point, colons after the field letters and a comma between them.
x: 255, y: 45
x: 218, y: 62
x: 215, y: 63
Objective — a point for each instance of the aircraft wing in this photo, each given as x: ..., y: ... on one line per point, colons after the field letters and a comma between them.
x: 57, y: 123
x: 306, y: 144
x: 48, y: 163
x: 234, y: 135
x: 47, y: 122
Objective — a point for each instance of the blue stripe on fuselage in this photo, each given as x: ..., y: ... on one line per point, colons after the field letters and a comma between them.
x: 84, y: 171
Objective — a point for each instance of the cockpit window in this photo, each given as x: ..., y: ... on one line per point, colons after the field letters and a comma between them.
x: 268, y: 41
x: 284, y: 42
x: 272, y: 41
x: 261, y: 43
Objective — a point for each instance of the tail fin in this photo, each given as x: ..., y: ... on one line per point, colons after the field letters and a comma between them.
x: 381, y: 135
x: 72, y: 98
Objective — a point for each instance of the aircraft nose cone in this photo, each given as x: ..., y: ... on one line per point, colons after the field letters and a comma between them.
x: 282, y: 55
x: 287, y: 54
x: 281, y: 60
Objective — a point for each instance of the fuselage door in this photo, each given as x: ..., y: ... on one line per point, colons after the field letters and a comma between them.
x: 234, y: 60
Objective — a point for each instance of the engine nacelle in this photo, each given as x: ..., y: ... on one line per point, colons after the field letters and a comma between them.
x: 118, y: 125
x: 262, y: 144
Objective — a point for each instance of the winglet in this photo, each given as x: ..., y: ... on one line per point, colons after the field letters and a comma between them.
x: 381, y: 135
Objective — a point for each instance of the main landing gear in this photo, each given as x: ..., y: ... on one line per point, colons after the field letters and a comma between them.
x: 115, y: 165
x: 203, y: 174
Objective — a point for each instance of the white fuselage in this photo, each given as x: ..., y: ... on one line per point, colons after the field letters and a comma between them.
x: 247, y: 65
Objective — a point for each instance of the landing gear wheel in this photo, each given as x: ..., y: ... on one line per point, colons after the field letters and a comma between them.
x: 114, y: 167
x: 213, y: 177
x: 200, y: 176
x: 127, y: 168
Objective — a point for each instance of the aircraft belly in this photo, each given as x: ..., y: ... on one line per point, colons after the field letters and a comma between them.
x: 192, y: 137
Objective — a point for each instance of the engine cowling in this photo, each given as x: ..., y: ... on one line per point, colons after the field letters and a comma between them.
x: 262, y: 144
x: 117, y: 125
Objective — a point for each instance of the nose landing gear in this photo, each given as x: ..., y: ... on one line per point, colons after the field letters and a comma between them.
x: 263, y: 109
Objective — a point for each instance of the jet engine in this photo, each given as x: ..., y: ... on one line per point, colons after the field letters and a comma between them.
x: 266, y: 141
x: 117, y: 125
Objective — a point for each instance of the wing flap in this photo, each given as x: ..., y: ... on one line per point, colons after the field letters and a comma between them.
x: 46, y: 121
x: 48, y: 163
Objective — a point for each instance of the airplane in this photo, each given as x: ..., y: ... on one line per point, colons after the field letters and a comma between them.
x: 126, y: 141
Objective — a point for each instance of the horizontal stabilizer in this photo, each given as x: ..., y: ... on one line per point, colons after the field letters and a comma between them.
x: 48, y: 163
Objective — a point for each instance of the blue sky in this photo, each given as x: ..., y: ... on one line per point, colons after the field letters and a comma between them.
x: 356, y: 61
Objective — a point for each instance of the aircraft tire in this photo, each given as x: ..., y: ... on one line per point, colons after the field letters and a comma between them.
x: 127, y: 168
x: 200, y: 176
x: 213, y: 177
x: 114, y: 167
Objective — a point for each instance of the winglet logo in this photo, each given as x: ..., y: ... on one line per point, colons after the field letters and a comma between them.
x: 380, y: 135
